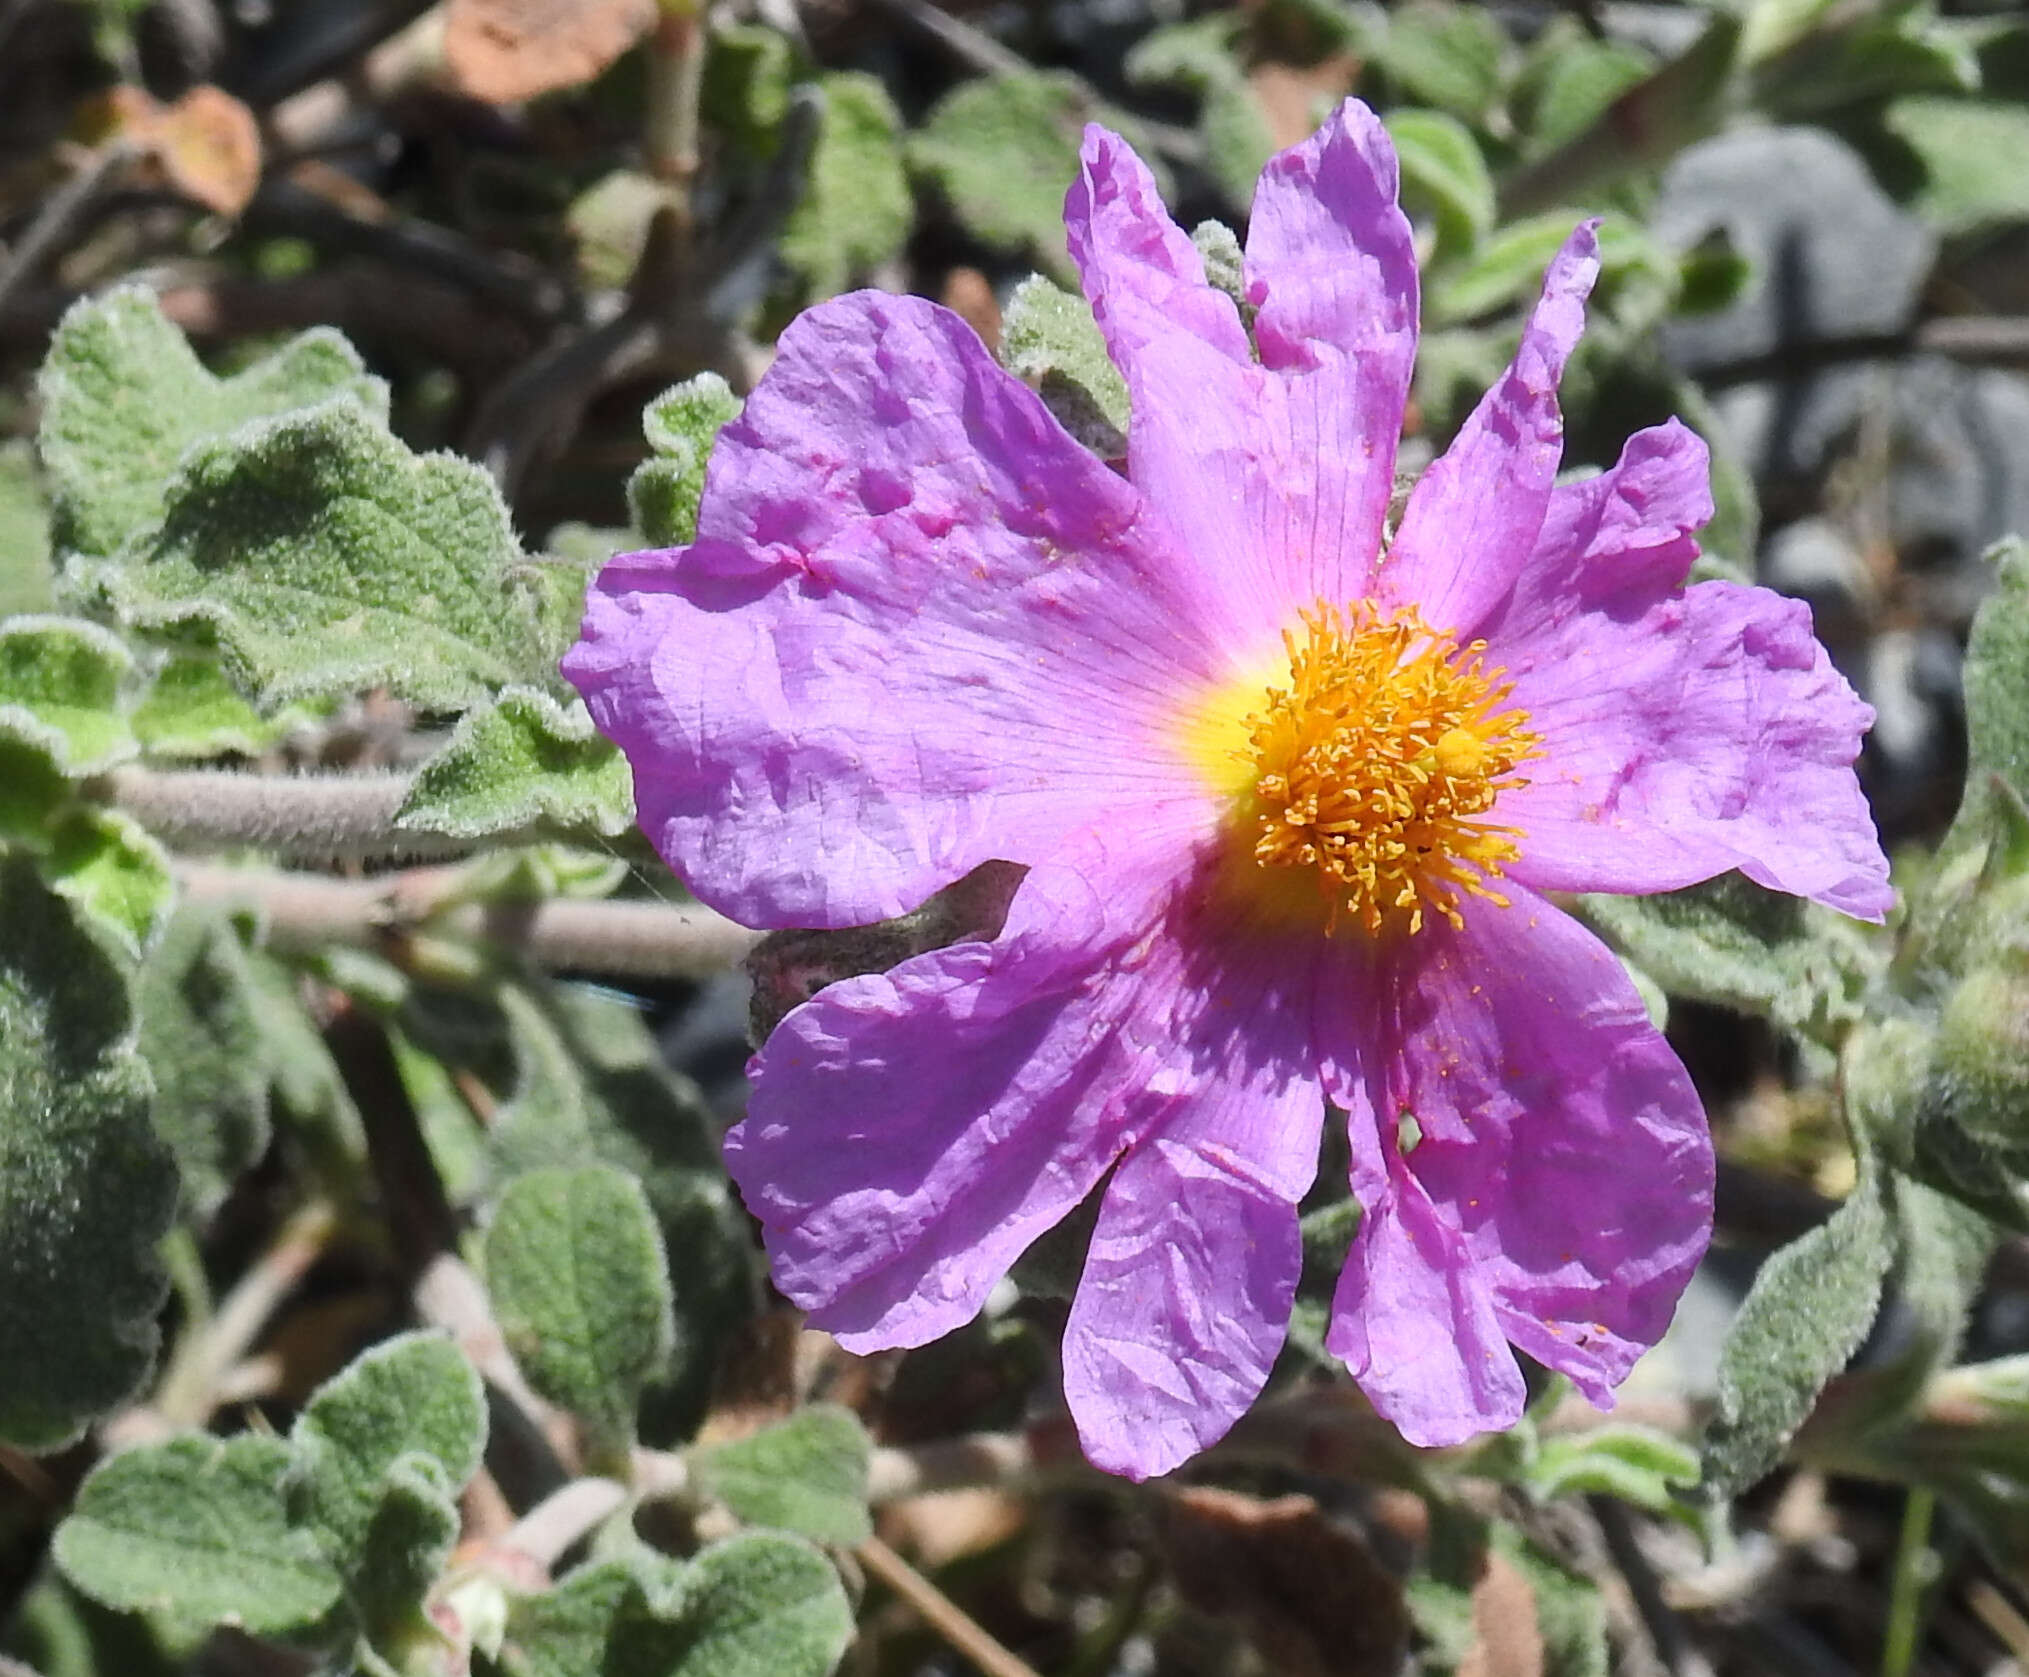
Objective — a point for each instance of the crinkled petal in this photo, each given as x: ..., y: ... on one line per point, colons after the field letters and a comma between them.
x: 1192, y: 1269
x: 921, y: 628
x: 1142, y: 275
x: 1278, y: 474
x: 1474, y: 516
x: 1417, y: 1328
x: 1708, y: 731
x: 1561, y: 1136
x: 910, y: 1133
x: 1559, y: 1191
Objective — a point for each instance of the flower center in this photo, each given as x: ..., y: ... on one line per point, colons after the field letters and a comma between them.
x: 1372, y: 766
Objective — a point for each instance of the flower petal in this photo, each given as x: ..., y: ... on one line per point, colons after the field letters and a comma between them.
x: 1141, y: 273
x: 910, y: 1133
x: 1561, y: 1136
x: 1559, y: 1192
x: 1417, y: 1328
x: 1708, y: 731
x: 1192, y: 1269
x: 1279, y: 473
x: 1473, y: 518
x: 921, y: 628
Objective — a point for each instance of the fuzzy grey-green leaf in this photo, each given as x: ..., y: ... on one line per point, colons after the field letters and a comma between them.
x: 124, y: 397
x: 201, y: 1033
x: 1001, y: 148
x: 1807, y: 1312
x: 195, y: 1528
x: 115, y: 870
x: 1049, y: 338
x: 681, y: 425
x: 413, y: 1395
x: 60, y: 688
x: 856, y: 209
x: 757, y: 1605
x: 1740, y: 945
x: 807, y: 1474
x: 1443, y: 171
x: 191, y: 710
x: 524, y: 760
x: 580, y: 1285
x: 85, y: 1188
x: 323, y: 558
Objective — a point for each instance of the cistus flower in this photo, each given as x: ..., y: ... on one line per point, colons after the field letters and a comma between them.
x: 1291, y: 789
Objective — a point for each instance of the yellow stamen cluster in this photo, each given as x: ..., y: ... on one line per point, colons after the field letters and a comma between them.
x: 1373, y: 764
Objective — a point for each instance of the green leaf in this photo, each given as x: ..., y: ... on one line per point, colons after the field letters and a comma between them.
x: 413, y: 1396
x: 856, y: 209
x: 1636, y: 1464
x: 1901, y: 52
x: 86, y: 1190
x: 1443, y: 171
x: 407, y: 1541
x: 757, y: 1605
x: 25, y: 572
x: 1002, y: 149
x: 580, y: 1285
x: 807, y: 1474
x: 1971, y: 152
x: 192, y: 710
x: 1507, y: 267
x: 1573, y: 78
x: 1810, y: 1306
x: 1447, y: 56
x: 196, y: 1529
x: 1740, y: 945
x: 523, y: 761
x: 1997, y: 682
x: 202, y: 1036
x: 591, y: 1086
x: 60, y: 682
x: 323, y: 559
x: 1049, y: 338
x: 112, y: 868
x: 1200, y: 57
x: 124, y: 399
x: 681, y: 425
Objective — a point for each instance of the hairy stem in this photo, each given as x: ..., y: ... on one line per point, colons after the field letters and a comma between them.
x: 338, y: 817
x: 306, y: 912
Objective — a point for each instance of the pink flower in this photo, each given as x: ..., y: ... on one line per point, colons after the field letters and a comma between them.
x: 1290, y: 794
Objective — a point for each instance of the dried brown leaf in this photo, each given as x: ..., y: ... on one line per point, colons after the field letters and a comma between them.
x: 504, y: 51
x: 1308, y: 1591
x: 1506, y: 1640
x: 206, y: 146
x: 209, y: 147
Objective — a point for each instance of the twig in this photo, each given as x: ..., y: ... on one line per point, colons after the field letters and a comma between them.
x: 998, y: 1459
x: 1665, y: 1630
x: 306, y: 817
x: 62, y: 210
x: 190, y: 1389
x: 676, y: 65
x: 943, y: 1615
x: 559, y: 1520
x: 977, y: 50
x: 307, y: 912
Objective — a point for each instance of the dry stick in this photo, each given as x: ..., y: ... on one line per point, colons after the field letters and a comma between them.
x: 305, y: 912
x: 58, y: 216
x: 940, y: 1612
x: 190, y: 1389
